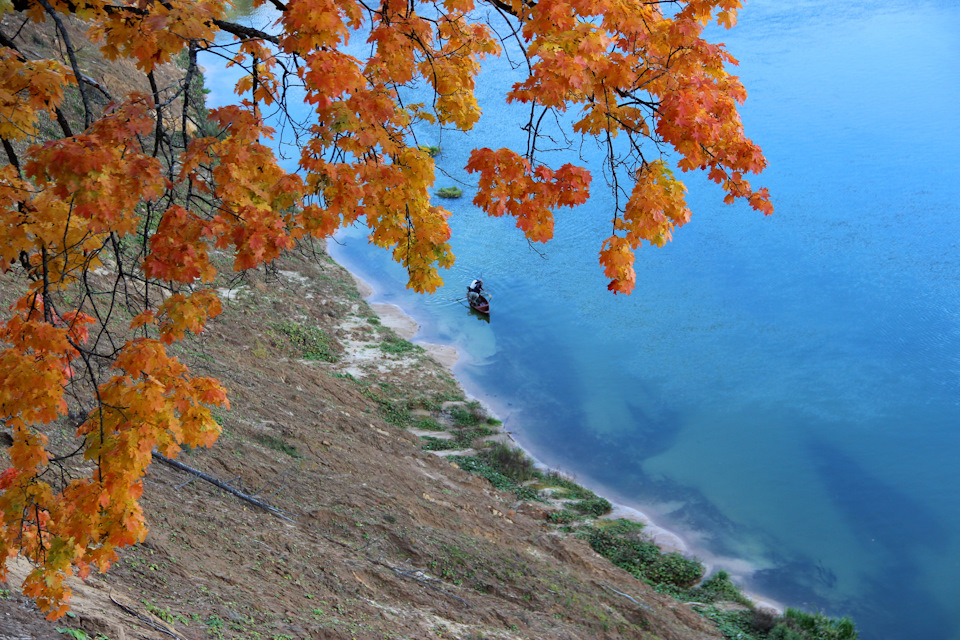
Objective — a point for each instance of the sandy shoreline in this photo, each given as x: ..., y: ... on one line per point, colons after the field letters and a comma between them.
x: 407, y: 328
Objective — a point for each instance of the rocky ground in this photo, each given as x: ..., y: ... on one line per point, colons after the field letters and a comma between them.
x: 374, y: 537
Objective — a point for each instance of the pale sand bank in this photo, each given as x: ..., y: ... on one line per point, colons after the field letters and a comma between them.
x: 404, y: 326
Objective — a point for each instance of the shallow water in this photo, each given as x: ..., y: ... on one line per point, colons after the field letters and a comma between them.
x: 782, y: 391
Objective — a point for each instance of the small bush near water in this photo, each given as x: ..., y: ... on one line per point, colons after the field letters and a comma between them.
x: 620, y: 544
x: 470, y: 415
x: 793, y: 625
x: 483, y: 467
x: 718, y: 588
x: 511, y: 462
x: 800, y: 625
x: 449, y: 192
x: 595, y: 506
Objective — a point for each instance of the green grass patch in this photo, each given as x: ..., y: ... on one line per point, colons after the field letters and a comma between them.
x: 800, y: 625
x: 398, y: 346
x: 469, y: 435
x: 310, y: 341
x: 428, y: 424
x: 435, y: 402
x: 277, y: 444
x: 571, y: 490
x: 481, y: 467
x: 643, y: 559
x: 469, y: 416
x: 394, y: 412
x: 564, y: 516
x: 595, y: 506
x: 439, y: 444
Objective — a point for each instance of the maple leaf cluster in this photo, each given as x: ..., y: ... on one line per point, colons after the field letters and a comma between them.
x: 110, y: 224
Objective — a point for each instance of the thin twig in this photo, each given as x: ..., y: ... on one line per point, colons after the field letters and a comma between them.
x: 421, y: 577
x: 628, y: 597
x: 183, y: 484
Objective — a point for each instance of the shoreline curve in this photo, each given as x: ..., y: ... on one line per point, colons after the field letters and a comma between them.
x: 406, y: 327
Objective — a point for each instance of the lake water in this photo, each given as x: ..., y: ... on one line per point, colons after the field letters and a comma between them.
x: 783, y: 392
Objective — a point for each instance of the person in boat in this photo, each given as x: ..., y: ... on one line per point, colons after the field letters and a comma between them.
x: 475, y: 291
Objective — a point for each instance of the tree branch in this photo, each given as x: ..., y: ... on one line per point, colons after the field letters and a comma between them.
x: 11, y: 154
x: 222, y: 485
x: 245, y: 32
x: 72, y: 55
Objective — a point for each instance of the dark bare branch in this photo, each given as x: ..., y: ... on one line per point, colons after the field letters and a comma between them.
x: 248, y: 33
x: 72, y: 55
x: 221, y: 485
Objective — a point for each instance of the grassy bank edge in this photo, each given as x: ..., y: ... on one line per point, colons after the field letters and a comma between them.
x: 572, y: 509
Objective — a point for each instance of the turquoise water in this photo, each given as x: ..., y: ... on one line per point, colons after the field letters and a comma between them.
x: 782, y: 391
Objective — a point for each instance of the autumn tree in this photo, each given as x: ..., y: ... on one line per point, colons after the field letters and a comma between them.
x: 110, y: 205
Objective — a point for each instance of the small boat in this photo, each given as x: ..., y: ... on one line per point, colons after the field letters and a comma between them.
x: 480, y: 304
x: 477, y: 298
